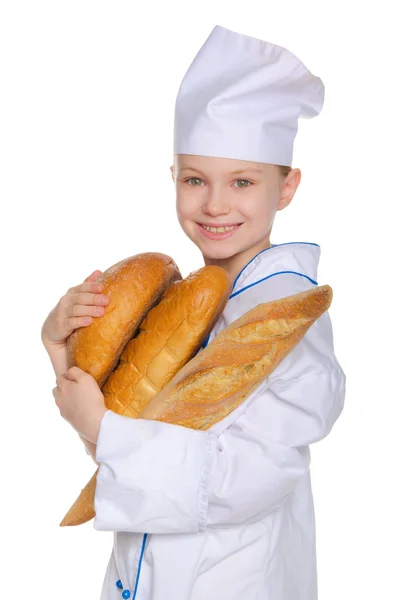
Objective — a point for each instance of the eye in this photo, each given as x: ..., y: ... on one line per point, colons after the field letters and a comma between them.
x: 244, y: 180
x: 238, y: 181
x: 193, y: 179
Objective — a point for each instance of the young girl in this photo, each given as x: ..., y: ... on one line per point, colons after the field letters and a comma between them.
x: 227, y: 513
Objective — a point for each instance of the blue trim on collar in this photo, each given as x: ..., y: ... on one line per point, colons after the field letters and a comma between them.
x: 265, y: 250
x: 272, y: 275
x: 255, y: 283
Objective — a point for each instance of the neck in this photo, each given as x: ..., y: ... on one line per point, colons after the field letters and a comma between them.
x: 234, y: 264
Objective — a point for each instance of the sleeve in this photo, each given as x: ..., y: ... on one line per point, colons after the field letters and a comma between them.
x: 157, y: 477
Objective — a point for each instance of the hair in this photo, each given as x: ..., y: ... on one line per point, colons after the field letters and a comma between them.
x: 284, y: 170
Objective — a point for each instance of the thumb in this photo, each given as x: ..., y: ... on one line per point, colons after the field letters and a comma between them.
x: 74, y: 373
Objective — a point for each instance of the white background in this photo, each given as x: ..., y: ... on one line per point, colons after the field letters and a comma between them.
x: 87, y: 100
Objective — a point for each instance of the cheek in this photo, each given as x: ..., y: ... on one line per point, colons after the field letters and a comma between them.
x: 183, y: 213
x: 260, y: 209
x: 186, y: 205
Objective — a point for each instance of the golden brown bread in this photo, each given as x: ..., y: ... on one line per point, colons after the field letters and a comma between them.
x: 169, y: 336
x: 220, y: 377
x: 133, y: 285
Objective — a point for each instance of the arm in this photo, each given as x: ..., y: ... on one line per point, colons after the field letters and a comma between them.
x: 156, y: 477
x: 59, y: 360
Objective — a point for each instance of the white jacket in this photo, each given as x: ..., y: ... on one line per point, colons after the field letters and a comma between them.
x: 227, y: 513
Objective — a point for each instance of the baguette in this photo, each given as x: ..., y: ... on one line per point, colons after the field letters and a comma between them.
x: 169, y: 336
x: 220, y: 377
x: 133, y: 285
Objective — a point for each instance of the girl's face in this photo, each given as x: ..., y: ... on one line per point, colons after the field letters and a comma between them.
x: 219, y: 192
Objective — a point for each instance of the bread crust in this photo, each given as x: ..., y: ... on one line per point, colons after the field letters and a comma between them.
x: 171, y: 333
x: 133, y: 285
x: 169, y: 336
x: 218, y: 379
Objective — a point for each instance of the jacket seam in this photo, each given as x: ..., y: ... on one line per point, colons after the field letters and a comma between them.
x: 139, y: 565
x: 203, y: 491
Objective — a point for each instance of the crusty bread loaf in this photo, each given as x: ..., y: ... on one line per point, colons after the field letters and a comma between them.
x: 169, y: 336
x: 221, y: 376
x: 133, y: 285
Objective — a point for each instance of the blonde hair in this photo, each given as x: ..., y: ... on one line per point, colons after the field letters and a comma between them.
x: 284, y: 170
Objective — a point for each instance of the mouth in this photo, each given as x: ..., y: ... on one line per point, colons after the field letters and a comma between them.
x: 218, y: 231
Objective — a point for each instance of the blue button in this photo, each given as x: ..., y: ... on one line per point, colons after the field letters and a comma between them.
x: 126, y: 594
x: 119, y: 584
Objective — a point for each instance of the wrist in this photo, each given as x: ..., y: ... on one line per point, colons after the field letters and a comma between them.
x: 50, y: 345
x: 92, y: 431
x: 57, y: 351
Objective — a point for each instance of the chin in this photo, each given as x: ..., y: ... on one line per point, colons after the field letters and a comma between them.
x: 219, y: 253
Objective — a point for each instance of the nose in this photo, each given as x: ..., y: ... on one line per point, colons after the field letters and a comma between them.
x: 215, y: 204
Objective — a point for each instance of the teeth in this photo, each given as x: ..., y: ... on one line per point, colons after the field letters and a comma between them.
x: 219, y: 229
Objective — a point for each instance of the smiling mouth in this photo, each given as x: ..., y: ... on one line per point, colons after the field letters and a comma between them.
x: 220, y: 228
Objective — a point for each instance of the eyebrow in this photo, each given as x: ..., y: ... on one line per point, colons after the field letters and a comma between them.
x: 231, y: 172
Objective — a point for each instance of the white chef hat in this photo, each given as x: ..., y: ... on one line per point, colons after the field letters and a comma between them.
x: 241, y: 98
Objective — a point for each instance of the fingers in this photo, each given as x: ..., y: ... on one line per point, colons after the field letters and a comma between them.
x: 59, y: 379
x: 89, y: 283
x: 61, y: 382
x: 55, y: 393
x: 94, y: 276
x: 83, y: 307
x: 83, y: 302
x: 91, y: 298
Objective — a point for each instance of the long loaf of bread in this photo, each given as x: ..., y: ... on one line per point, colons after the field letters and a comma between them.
x: 168, y: 337
x: 170, y: 334
x: 134, y: 285
x: 220, y: 377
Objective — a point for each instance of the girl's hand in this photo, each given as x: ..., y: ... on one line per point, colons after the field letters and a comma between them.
x: 80, y: 402
x: 75, y: 309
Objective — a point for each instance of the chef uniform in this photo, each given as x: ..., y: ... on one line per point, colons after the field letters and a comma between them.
x: 227, y: 513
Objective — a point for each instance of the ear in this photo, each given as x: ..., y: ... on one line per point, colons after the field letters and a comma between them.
x: 172, y: 172
x: 289, y: 188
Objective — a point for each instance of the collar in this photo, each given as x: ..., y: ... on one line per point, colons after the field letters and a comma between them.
x: 297, y: 257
